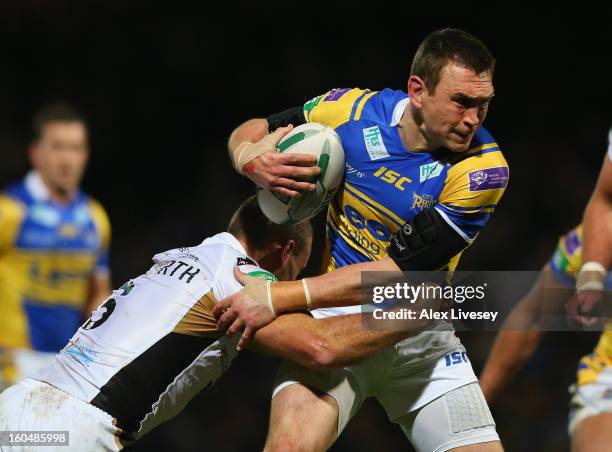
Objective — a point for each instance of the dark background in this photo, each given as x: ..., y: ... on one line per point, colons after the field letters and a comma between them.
x: 163, y: 86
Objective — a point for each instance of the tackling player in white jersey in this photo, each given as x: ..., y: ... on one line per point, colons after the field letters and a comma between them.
x: 154, y: 344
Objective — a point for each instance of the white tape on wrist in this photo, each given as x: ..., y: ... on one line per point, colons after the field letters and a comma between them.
x: 269, y: 297
x: 593, y: 266
x: 591, y: 284
x: 244, y: 154
x: 307, y: 293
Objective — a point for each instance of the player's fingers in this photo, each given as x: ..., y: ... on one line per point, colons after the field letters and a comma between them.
x: 297, y: 172
x: 293, y: 185
x: 221, y: 307
x: 279, y: 133
x: 245, y: 338
x: 244, y: 278
x: 227, y: 318
x: 297, y: 159
x: 589, y: 321
x: 285, y: 192
x: 236, y: 326
x: 588, y: 300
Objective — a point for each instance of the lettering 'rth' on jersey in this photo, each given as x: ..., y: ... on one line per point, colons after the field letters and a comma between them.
x: 387, y: 184
x: 154, y: 343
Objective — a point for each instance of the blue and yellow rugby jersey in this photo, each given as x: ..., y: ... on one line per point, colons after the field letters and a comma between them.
x: 48, y: 253
x: 386, y: 184
x: 565, y: 264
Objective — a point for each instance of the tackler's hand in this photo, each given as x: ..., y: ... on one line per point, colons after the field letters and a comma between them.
x: 248, y: 309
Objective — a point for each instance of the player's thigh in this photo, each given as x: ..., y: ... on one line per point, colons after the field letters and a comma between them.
x: 302, y: 419
x: 458, y: 420
x: 299, y: 391
x: 593, y: 434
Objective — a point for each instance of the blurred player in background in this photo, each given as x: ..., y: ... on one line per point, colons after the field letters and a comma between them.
x: 155, y: 344
x: 581, y: 260
x: 54, y: 243
x: 422, y: 179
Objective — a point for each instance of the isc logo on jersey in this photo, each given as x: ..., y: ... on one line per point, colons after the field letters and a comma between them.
x: 325, y: 144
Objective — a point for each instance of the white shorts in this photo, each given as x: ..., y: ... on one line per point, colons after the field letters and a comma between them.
x: 588, y: 400
x: 33, y: 405
x: 400, y: 384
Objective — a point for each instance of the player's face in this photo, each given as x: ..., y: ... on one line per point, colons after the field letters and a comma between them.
x: 60, y: 156
x: 458, y: 106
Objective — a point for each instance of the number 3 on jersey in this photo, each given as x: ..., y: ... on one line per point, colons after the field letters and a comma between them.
x: 100, y: 315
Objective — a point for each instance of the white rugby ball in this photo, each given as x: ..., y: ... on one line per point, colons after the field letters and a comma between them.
x: 324, y: 143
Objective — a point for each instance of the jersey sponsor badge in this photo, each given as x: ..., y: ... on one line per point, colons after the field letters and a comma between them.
x: 45, y: 215
x: 488, y: 179
x: 430, y: 170
x: 245, y: 261
x: 336, y: 94
x: 374, y: 143
x: 262, y: 274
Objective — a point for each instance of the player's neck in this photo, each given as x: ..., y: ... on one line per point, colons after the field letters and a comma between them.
x: 253, y: 253
x: 58, y: 195
x: 412, y: 131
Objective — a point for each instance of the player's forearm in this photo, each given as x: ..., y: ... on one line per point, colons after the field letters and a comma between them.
x: 251, y: 131
x: 597, y: 221
x: 324, y: 343
x: 597, y: 230
x: 346, y: 340
x: 508, y: 355
x: 342, y: 287
x: 517, y: 340
x: 100, y: 288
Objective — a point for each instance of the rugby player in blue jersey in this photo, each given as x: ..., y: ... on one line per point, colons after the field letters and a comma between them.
x: 423, y: 178
x: 54, y: 243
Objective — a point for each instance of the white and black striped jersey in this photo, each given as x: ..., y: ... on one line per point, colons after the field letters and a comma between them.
x: 153, y: 345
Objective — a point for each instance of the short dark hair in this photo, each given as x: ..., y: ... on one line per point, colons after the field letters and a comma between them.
x: 250, y: 222
x: 57, y: 111
x: 450, y: 44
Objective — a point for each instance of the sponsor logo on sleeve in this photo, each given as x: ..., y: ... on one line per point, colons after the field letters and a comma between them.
x: 374, y: 143
x: 336, y: 94
x: 262, y: 274
x: 572, y: 242
x: 245, y: 261
x: 488, y: 179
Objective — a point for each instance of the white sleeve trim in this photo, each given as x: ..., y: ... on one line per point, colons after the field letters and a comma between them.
x: 454, y: 226
x: 398, y: 111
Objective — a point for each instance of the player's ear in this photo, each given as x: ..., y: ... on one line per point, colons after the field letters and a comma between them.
x: 416, y: 89
x: 288, y: 250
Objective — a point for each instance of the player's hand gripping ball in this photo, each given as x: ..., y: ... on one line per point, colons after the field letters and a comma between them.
x: 324, y: 143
